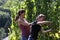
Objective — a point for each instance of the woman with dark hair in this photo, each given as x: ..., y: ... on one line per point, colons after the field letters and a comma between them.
x: 23, y: 24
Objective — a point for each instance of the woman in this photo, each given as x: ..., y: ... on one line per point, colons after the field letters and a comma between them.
x: 23, y: 24
x: 36, y: 27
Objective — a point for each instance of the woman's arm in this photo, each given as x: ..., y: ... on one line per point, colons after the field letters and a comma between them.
x: 45, y: 31
x: 23, y: 23
x: 28, y: 22
x: 44, y: 22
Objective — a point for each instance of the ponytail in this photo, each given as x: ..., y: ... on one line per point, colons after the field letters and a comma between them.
x: 17, y: 17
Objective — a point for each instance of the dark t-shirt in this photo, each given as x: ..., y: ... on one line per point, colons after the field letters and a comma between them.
x: 34, y: 30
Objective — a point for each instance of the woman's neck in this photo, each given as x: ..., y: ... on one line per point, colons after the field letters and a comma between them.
x: 21, y: 17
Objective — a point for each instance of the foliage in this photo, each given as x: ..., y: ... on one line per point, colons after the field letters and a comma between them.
x: 2, y: 33
x: 50, y: 8
x: 5, y: 23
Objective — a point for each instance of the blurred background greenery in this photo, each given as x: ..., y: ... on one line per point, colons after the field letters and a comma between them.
x: 9, y: 9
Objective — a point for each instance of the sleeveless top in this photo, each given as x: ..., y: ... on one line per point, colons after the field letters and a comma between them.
x: 34, y: 30
x: 25, y: 30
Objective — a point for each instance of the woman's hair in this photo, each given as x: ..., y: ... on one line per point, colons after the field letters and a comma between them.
x: 19, y: 13
x: 40, y: 15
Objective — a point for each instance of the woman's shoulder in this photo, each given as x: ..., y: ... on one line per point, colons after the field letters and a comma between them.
x: 34, y: 22
x: 19, y: 20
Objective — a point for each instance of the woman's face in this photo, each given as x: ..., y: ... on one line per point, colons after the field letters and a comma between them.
x: 22, y: 15
x: 42, y: 18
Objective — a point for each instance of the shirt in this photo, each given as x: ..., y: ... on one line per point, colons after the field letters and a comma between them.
x: 34, y: 30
